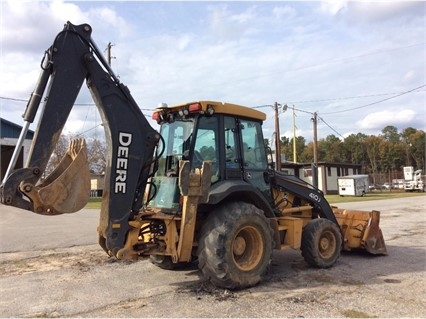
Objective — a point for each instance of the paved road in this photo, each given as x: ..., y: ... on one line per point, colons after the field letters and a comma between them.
x: 385, y: 205
x: 22, y: 230
x: 53, y: 267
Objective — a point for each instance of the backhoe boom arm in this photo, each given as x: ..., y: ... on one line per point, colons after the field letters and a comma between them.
x: 131, y: 141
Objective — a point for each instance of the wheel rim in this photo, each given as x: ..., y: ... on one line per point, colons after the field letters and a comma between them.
x: 327, y: 244
x: 247, y: 248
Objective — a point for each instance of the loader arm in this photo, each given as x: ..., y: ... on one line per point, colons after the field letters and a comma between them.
x: 359, y: 229
x: 304, y: 190
x: 131, y: 141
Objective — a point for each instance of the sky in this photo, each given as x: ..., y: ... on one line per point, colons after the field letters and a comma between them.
x: 359, y: 65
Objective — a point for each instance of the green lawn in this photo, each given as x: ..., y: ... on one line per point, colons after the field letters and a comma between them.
x: 385, y: 194
x: 95, y: 202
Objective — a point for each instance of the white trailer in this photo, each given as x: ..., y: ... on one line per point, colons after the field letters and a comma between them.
x: 353, y: 185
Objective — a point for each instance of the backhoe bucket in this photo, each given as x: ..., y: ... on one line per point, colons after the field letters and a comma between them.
x: 360, y: 230
x: 67, y: 188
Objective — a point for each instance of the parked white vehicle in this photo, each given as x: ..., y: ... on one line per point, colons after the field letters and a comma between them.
x: 353, y: 185
x: 398, y: 183
x: 413, y: 180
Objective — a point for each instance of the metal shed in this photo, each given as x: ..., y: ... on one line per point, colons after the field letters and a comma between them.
x: 9, y: 134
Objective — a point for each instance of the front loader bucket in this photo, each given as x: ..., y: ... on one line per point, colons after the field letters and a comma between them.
x: 373, y: 237
x: 67, y: 188
x: 360, y: 230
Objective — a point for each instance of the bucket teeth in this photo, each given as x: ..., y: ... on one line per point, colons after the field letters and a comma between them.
x: 67, y: 188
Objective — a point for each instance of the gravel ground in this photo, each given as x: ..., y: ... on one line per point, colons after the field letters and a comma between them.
x: 81, y: 281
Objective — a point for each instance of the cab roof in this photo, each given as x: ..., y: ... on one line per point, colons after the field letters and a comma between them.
x: 221, y: 107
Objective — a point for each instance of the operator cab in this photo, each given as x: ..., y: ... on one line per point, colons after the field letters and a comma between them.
x: 228, y: 135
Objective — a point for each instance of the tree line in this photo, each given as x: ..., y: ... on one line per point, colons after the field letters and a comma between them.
x: 382, y: 156
x: 96, y: 150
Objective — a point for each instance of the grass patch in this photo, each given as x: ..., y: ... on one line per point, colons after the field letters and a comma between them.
x: 375, y: 195
x: 95, y: 202
x: 350, y: 313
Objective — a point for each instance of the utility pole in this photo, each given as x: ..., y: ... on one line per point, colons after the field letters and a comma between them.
x: 315, y: 166
x: 277, y: 140
x: 108, y: 49
x: 315, y: 140
x: 294, y: 137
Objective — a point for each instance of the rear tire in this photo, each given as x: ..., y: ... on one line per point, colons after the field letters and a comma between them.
x: 321, y: 243
x: 235, y: 246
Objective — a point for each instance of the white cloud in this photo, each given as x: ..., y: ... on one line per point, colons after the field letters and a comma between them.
x: 333, y: 7
x: 245, y: 53
x: 379, y: 11
x: 183, y: 41
x: 27, y: 30
x: 245, y: 16
x: 284, y: 12
x: 378, y: 120
x: 21, y: 28
x: 409, y: 76
x: 109, y: 23
x: 227, y: 25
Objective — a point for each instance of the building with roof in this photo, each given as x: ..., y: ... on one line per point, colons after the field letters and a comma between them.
x: 328, y: 173
x: 9, y: 135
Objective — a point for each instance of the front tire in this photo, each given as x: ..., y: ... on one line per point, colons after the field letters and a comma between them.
x: 321, y: 243
x: 235, y: 246
x: 165, y: 262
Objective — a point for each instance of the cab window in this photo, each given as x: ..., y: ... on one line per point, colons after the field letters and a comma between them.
x: 206, y: 145
x: 254, y: 154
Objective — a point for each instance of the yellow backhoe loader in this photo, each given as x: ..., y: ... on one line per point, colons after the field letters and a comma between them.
x: 200, y: 189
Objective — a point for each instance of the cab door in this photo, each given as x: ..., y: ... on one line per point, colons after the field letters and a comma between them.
x: 245, y: 151
x: 253, y: 153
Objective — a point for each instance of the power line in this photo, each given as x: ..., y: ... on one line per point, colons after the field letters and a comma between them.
x: 76, y: 104
x: 88, y: 130
x: 100, y: 124
x: 12, y: 99
x: 320, y: 64
x: 324, y: 63
x: 377, y: 102
x: 23, y: 100
x: 347, y: 97
x: 396, y: 94
x: 269, y: 105
x: 330, y: 127
x: 347, y: 110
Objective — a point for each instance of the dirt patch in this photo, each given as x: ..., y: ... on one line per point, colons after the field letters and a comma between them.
x: 18, y: 264
x: 82, y: 281
x: 358, y: 286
